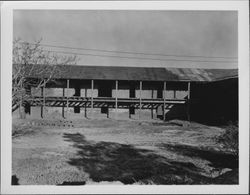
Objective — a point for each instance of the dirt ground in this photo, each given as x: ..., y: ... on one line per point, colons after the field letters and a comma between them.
x: 108, y: 151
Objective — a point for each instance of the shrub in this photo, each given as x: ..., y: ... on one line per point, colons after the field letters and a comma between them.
x: 229, y: 139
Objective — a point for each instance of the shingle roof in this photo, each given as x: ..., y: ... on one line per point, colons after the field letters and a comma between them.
x: 194, y: 74
x: 130, y: 73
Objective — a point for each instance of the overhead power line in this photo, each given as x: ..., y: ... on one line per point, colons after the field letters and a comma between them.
x: 135, y: 53
x: 138, y: 58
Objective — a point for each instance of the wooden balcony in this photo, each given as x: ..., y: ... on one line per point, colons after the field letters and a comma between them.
x: 99, y: 102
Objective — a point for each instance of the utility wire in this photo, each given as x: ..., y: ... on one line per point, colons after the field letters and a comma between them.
x: 127, y: 52
x: 138, y: 58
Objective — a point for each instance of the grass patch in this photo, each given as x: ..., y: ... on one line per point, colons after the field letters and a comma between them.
x: 23, y: 129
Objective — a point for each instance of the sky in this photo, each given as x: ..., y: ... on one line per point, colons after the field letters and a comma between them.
x: 178, y: 33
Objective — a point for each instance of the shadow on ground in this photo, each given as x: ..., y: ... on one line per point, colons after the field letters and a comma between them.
x: 108, y: 161
x: 217, y: 159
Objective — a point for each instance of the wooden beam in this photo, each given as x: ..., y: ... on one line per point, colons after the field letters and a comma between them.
x: 140, y: 100
x: 92, y: 88
x: 67, y: 97
x: 164, y: 100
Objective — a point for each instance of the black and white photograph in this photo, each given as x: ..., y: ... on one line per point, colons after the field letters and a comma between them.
x: 134, y: 97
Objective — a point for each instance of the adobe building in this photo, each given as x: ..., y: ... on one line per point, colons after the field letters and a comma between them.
x: 203, y: 95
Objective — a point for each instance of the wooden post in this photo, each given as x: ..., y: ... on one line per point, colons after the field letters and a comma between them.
x: 116, y: 96
x: 188, y: 90
x: 107, y: 112
x: 77, y: 87
x: 140, y: 100
x: 159, y: 96
x: 131, y: 95
x: 164, y: 100
x: 67, y: 98
x: 85, y: 106
x: 152, y: 107
x: 63, y: 114
x: 92, y: 88
x: 188, y: 102
x: 42, y: 105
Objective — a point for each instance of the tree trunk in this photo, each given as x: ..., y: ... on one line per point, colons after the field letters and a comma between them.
x: 22, y: 112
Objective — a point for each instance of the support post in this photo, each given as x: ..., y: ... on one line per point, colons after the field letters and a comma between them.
x: 67, y: 98
x: 188, y: 102
x: 152, y: 107
x: 63, y: 94
x: 159, y: 96
x: 164, y: 100
x: 131, y: 95
x: 92, y: 88
x: 107, y: 112
x: 77, y: 109
x: 116, y: 96
x: 42, y: 105
x: 140, y: 100
x: 85, y: 105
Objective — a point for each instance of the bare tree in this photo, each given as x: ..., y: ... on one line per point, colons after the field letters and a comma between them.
x: 25, y: 58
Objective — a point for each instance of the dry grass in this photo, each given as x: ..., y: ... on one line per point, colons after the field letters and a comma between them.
x: 127, y: 152
x: 229, y: 139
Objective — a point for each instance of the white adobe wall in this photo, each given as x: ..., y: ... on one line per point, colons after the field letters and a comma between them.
x: 122, y: 93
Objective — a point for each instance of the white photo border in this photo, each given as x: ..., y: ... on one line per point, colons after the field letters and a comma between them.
x: 243, y: 65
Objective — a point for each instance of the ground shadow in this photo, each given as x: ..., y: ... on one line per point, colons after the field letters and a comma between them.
x: 217, y: 159
x: 108, y: 161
